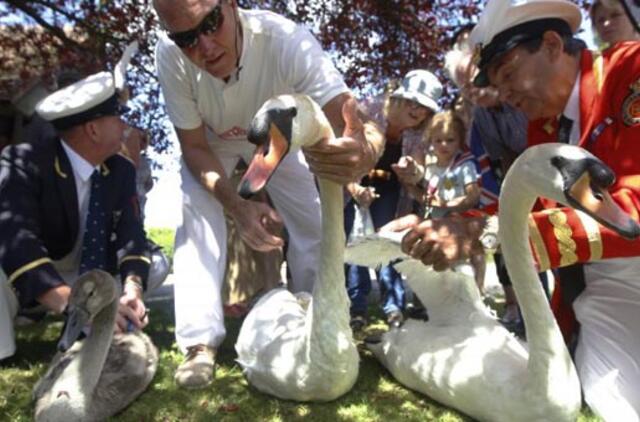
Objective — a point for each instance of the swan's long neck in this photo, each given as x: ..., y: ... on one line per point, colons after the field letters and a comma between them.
x: 330, y: 306
x: 330, y: 300
x: 81, y: 376
x: 547, y: 352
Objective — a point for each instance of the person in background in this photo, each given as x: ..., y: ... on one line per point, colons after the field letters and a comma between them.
x: 135, y: 149
x: 136, y: 142
x: 529, y: 53
x: 497, y: 135
x: 450, y: 184
x: 611, y: 24
x: 217, y: 64
x: 407, y: 108
x: 63, y: 199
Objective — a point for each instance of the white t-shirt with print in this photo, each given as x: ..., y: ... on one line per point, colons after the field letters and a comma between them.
x: 278, y: 57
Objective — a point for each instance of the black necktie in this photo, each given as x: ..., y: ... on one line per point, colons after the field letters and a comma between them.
x: 564, y: 129
x: 94, y: 242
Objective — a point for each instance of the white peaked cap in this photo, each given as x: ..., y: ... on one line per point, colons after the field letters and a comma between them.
x: 504, y: 24
x: 95, y: 96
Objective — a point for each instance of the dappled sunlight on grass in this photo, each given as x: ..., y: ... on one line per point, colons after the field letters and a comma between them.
x: 375, y: 397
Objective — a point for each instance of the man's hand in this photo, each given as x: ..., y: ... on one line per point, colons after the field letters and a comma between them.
x: 363, y: 196
x: 258, y: 224
x: 348, y: 158
x: 131, y: 310
x: 439, y: 242
x: 408, y: 170
x: 56, y: 299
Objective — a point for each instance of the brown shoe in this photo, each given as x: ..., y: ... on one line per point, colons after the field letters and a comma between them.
x: 197, y: 369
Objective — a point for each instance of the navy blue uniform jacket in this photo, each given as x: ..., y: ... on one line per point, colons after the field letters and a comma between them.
x: 39, y: 217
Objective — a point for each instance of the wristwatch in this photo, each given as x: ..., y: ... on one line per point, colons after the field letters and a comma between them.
x: 489, y: 235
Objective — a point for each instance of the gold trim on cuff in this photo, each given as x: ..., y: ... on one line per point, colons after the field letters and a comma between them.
x: 135, y: 257
x: 27, y: 267
x: 564, y: 234
x: 538, y: 245
x: 592, y: 228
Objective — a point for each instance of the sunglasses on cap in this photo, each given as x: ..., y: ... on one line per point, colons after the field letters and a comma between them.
x: 208, y: 26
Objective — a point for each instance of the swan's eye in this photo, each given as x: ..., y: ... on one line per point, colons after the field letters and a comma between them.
x: 596, y: 192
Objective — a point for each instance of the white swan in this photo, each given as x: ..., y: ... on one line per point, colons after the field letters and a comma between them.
x: 462, y: 356
x: 100, y: 376
x: 296, y: 347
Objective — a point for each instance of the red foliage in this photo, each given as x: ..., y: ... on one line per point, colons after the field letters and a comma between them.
x: 371, y: 41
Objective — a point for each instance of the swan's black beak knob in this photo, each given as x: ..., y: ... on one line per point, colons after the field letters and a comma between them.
x: 586, y: 183
x: 271, y: 132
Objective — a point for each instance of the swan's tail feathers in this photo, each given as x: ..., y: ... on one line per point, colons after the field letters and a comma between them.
x: 375, y: 250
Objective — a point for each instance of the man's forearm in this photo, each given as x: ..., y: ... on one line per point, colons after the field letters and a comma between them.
x: 208, y: 170
x: 374, y: 137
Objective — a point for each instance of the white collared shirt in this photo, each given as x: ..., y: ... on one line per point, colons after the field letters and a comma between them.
x: 82, y: 171
x: 572, y: 111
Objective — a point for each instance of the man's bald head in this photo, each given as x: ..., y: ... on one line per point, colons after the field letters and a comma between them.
x: 175, y: 14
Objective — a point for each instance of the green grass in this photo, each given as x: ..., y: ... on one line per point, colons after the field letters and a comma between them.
x: 163, y: 238
x: 375, y: 397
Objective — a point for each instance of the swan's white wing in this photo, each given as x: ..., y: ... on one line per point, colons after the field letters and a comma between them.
x: 376, y: 249
x: 276, y: 321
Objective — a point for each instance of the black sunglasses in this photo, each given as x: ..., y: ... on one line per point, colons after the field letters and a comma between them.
x: 209, y: 25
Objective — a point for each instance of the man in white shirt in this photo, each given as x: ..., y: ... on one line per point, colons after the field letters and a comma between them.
x: 217, y: 65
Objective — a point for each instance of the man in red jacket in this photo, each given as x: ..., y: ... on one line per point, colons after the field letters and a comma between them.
x: 527, y: 50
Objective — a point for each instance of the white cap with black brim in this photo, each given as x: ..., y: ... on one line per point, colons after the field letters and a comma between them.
x: 505, y: 24
x: 95, y: 96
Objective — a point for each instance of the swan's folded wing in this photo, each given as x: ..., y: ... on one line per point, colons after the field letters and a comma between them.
x: 375, y: 250
x: 58, y: 364
x: 128, y: 370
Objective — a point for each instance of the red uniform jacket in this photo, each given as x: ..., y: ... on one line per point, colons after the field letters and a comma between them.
x: 610, y: 129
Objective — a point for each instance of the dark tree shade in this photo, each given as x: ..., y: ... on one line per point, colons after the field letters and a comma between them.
x: 371, y: 41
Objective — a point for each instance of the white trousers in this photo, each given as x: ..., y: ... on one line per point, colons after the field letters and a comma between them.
x: 608, y: 351
x: 8, y: 310
x: 201, y: 244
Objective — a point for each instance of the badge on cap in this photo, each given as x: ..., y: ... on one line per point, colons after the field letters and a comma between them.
x: 631, y: 105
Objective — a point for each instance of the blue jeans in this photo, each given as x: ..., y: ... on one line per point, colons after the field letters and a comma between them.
x: 357, y: 278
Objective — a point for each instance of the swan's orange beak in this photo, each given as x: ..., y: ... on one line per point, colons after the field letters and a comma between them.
x: 589, y: 194
x: 264, y: 163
